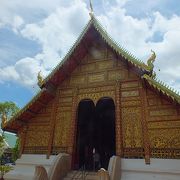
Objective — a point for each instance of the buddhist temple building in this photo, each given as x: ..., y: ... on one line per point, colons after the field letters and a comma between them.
x: 101, y: 98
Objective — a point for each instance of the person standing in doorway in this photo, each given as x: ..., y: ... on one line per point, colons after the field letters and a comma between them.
x: 96, y: 158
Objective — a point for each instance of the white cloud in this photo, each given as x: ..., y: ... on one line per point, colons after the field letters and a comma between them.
x: 17, y: 23
x: 8, y: 74
x: 24, y: 72
x: 130, y: 32
x: 30, y: 10
x: 57, y: 32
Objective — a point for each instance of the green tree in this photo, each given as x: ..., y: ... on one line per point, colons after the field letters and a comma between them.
x: 9, y: 108
x: 1, y: 145
x: 15, y: 151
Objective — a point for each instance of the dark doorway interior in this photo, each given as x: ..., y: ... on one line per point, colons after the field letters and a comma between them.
x: 86, y: 111
x: 96, y: 130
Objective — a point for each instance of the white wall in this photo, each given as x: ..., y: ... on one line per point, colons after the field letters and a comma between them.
x: 159, y: 169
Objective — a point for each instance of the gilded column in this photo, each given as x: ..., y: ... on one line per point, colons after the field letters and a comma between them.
x: 73, y: 121
x: 52, y: 129
x: 119, y: 139
x: 144, y: 111
x: 72, y: 137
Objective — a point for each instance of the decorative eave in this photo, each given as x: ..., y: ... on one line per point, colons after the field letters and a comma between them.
x: 162, y: 88
x: 29, y: 110
x: 117, y: 48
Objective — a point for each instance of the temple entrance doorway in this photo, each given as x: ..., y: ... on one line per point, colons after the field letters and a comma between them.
x: 95, y: 139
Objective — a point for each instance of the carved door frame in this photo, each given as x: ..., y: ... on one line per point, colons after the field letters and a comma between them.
x: 95, y: 94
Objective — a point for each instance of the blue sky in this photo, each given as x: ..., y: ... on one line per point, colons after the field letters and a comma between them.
x: 36, y: 35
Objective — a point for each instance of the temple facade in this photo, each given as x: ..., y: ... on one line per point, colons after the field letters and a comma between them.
x: 100, y: 98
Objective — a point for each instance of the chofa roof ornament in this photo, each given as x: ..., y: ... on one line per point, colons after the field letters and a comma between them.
x: 91, y: 13
x: 150, y: 63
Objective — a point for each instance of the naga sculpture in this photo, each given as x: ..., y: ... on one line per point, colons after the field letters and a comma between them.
x: 40, y: 79
x: 150, y: 63
x: 151, y: 60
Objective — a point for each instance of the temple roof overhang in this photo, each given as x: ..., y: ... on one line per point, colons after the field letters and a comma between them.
x: 92, y: 31
x: 28, y: 111
x: 162, y: 88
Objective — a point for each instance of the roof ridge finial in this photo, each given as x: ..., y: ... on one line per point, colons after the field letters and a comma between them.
x: 91, y: 9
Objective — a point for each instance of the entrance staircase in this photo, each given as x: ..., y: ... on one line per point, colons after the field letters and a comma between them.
x: 81, y: 175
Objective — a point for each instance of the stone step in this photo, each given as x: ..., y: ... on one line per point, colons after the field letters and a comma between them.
x: 77, y: 175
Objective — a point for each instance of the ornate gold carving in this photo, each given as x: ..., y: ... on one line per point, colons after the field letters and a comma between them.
x: 144, y: 118
x: 163, y: 118
x: 46, y: 110
x: 165, y: 102
x: 133, y: 153
x: 41, y: 119
x: 170, y: 124
x: 119, y: 141
x: 105, y: 65
x: 96, y: 96
x: 165, y: 153
x: 96, y: 53
x: 132, y: 129
x: 35, y: 150
x: 88, y: 67
x: 73, y: 126
x: 121, y: 63
x: 62, y: 128
x: 22, y: 137
x: 37, y: 138
x: 100, y: 77
x: 110, y: 55
x: 33, y: 127
x: 150, y: 93
x: 175, y: 142
x: 130, y: 93
x: 114, y: 75
x: 130, y: 103
x: 66, y: 99
x: 165, y: 138
x: 152, y: 102
x: 96, y: 89
x: 160, y: 142
x: 129, y: 84
x: 65, y: 92
x: 77, y: 80
x: 65, y: 104
x: 133, y: 75
x: 162, y: 112
x: 64, y: 108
